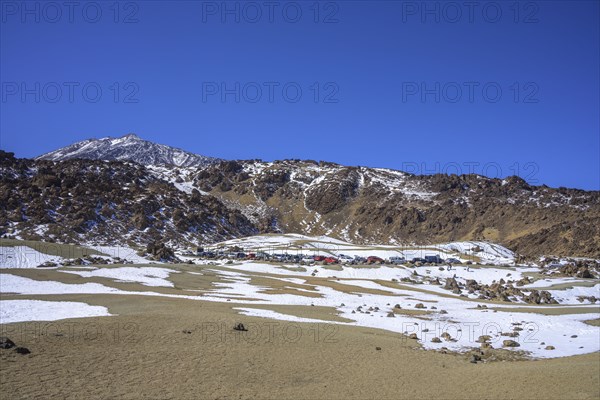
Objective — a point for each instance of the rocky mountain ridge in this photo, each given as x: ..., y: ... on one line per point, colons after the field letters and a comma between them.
x: 81, y: 200
x: 128, y: 148
x: 371, y: 205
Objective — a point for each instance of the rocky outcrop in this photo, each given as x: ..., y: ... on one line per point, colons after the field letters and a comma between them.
x: 500, y: 291
x: 160, y: 252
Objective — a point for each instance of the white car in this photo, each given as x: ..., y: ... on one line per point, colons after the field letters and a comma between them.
x: 343, y: 258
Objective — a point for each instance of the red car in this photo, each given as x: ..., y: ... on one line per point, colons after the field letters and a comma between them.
x: 330, y: 260
x: 320, y: 258
x: 374, y: 260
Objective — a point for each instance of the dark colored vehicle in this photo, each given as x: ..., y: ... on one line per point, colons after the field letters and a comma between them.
x: 417, y: 259
x: 433, y: 259
x: 374, y: 260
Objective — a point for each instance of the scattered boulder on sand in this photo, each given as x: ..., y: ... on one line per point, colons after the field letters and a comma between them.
x: 446, y: 336
x: 550, y: 347
x: 475, y: 358
x: 397, y: 306
x: 436, y: 340
x: 419, y: 305
x: 22, y: 350
x: 472, y: 285
x: 391, y: 315
x: 484, y: 339
x: 591, y: 299
x: 539, y: 297
x: 6, y: 343
x: 581, y: 270
x: 47, y: 264
x: 510, y: 343
x: 451, y: 284
x: 239, y: 327
x: 523, y: 281
x: 413, y: 336
x: 377, y: 348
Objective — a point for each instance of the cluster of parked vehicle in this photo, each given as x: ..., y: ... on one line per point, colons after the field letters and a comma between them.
x: 299, y: 258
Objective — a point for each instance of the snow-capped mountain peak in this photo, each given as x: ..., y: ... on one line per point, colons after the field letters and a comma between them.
x: 130, y: 148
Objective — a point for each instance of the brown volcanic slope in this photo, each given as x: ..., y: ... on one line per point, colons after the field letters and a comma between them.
x: 111, y: 202
x: 104, y: 202
x: 367, y: 205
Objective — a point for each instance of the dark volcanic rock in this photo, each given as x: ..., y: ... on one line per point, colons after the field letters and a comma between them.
x: 6, y: 343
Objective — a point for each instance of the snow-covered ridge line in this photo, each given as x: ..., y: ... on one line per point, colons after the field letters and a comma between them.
x: 129, y: 147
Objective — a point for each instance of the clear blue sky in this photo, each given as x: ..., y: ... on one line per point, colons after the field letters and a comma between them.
x: 388, y: 77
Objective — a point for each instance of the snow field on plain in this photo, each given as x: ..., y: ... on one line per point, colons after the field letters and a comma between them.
x: 40, y: 310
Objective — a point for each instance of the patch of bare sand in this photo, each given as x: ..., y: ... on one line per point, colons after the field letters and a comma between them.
x: 143, y: 352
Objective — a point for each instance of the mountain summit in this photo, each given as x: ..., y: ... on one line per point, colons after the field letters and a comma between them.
x: 128, y: 148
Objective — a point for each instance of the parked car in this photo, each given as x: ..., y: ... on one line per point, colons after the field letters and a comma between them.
x: 397, y: 260
x: 330, y: 260
x: 374, y: 260
x: 319, y: 258
x: 433, y: 259
x: 345, y: 258
x: 417, y: 259
x: 278, y: 257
